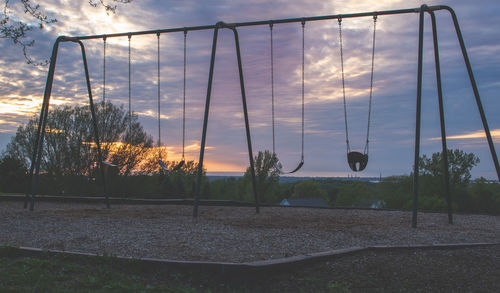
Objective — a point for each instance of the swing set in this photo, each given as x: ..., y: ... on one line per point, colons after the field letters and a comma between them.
x: 357, y: 161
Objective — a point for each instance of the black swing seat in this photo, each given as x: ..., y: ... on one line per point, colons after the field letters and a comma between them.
x: 164, y: 166
x: 108, y: 164
x: 277, y: 167
x: 357, y: 161
x: 181, y: 163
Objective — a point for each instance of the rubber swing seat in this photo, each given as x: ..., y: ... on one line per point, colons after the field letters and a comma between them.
x: 357, y: 161
x: 164, y: 166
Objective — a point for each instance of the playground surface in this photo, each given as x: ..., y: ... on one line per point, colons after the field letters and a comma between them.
x: 227, y: 234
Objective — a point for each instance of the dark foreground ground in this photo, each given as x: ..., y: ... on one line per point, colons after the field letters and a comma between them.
x: 399, y: 270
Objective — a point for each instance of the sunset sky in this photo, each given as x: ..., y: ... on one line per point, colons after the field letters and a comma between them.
x: 393, y: 110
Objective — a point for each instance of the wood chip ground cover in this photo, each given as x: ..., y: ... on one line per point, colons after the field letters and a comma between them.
x: 229, y: 234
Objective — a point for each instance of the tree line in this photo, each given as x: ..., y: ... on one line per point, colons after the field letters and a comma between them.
x: 69, y: 167
x: 395, y: 192
x: 69, y: 164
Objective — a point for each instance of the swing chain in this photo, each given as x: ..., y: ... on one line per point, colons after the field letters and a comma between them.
x: 104, y: 87
x: 184, y: 97
x: 343, y: 85
x: 159, y: 95
x: 104, y: 72
x: 303, y: 66
x: 129, y: 87
x: 272, y: 85
x: 371, y: 85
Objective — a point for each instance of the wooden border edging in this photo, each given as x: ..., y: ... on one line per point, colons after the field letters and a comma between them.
x: 129, y: 201
x: 202, y: 202
x: 255, y: 266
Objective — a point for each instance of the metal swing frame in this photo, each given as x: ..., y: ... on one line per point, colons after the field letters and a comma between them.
x: 35, y: 162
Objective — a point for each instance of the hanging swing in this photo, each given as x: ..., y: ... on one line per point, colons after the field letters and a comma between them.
x: 106, y: 163
x: 277, y: 164
x: 357, y: 161
x: 183, y: 159
x: 129, y: 85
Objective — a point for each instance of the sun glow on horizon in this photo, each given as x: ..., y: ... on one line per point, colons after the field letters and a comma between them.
x: 174, y: 154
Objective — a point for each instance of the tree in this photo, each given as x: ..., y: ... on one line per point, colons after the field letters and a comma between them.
x: 353, y: 194
x: 309, y: 188
x: 69, y: 161
x: 460, y: 164
x: 12, y: 174
x: 431, y: 183
x: 135, y: 146
x: 14, y: 28
x: 483, y: 197
x: 182, y: 182
x: 69, y: 148
x: 396, y: 191
x: 267, y: 176
x: 225, y: 188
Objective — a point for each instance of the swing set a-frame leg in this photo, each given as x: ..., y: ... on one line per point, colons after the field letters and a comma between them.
x: 37, y: 154
x: 218, y: 26
x: 477, y: 97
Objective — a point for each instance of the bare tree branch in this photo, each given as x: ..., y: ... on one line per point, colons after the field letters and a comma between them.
x: 109, y: 8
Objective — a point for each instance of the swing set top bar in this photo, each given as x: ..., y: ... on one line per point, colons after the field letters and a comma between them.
x: 254, y: 23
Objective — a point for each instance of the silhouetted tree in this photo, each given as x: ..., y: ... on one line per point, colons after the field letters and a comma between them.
x: 267, y: 177
x: 69, y: 148
x: 181, y: 183
x: 12, y: 174
x: 460, y: 165
x: 483, y: 197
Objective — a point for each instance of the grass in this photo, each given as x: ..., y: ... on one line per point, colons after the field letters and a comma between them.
x: 72, y: 273
x: 59, y: 273
x: 11, y: 193
x: 430, y: 270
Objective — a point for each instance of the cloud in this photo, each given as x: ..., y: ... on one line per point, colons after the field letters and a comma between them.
x: 393, y: 112
x: 479, y: 134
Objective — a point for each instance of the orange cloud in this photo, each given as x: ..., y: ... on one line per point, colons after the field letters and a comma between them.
x: 495, y: 133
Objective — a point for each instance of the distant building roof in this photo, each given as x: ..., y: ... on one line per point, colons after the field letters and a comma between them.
x: 304, y: 202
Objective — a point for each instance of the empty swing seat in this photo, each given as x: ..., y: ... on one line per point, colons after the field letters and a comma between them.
x: 108, y: 164
x: 178, y: 167
x: 163, y: 166
x: 277, y: 166
x: 357, y: 161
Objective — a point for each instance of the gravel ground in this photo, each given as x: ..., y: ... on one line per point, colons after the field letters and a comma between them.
x: 230, y: 234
